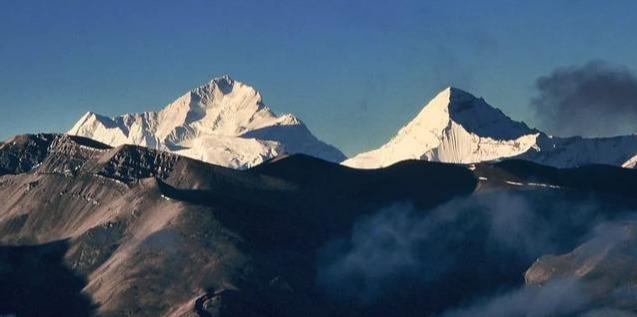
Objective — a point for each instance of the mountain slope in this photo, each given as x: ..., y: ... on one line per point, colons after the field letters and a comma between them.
x: 223, y: 122
x: 457, y: 127
x: 150, y: 233
x: 131, y: 231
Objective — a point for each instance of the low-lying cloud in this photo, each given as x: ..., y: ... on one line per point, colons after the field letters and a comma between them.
x: 444, y: 256
x: 594, y: 99
x: 567, y: 295
x: 556, y: 298
x: 468, y: 257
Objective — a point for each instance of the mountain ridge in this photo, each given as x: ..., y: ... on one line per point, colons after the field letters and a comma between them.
x: 151, y: 233
x: 457, y: 127
x: 223, y: 122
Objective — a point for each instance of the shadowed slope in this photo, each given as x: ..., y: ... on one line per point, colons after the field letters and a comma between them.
x: 35, y: 281
x: 157, y: 234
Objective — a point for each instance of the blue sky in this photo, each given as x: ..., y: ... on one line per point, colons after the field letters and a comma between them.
x: 354, y: 71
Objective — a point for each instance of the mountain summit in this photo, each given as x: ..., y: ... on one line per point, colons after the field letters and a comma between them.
x: 454, y: 127
x: 223, y: 122
x: 457, y: 127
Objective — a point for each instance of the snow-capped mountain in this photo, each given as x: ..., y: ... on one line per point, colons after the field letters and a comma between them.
x: 224, y: 122
x: 457, y: 127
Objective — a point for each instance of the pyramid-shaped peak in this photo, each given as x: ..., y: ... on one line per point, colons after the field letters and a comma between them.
x: 447, y: 102
x: 452, y: 90
x: 453, y: 94
x: 449, y: 99
x: 458, y: 102
x: 473, y: 113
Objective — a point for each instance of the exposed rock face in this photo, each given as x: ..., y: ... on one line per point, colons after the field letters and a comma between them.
x: 224, y: 122
x: 21, y: 153
x: 156, y: 234
x: 606, y: 266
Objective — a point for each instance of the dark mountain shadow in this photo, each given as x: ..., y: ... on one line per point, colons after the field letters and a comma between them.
x: 426, y: 184
x: 462, y: 259
x: 477, y: 116
x: 89, y: 142
x: 327, y: 198
x: 594, y: 178
x: 35, y: 281
x: 323, y: 202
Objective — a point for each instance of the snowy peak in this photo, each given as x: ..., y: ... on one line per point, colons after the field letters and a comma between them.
x: 223, y: 106
x: 455, y: 127
x: 475, y: 115
x: 223, y: 122
x: 90, y: 116
x: 453, y: 106
x: 223, y: 92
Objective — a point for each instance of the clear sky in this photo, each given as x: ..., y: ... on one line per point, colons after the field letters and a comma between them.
x: 354, y: 71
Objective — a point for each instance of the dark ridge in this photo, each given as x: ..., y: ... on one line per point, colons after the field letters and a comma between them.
x: 589, y: 178
x: 301, y: 168
x: 89, y: 142
x: 190, y: 173
x: 407, y: 180
x: 325, y: 198
x: 21, y: 153
x: 272, y: 226
x: 131, y: 163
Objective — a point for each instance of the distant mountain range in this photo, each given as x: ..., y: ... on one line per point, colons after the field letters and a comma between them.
x: 225, y: 122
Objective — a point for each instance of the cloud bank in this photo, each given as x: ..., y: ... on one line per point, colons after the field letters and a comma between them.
x: 594, y: 99
x: 467, y: 257
x: 404, y: 258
